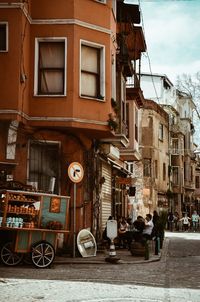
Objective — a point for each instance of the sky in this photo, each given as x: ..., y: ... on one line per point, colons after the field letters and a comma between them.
x: 172, y: 34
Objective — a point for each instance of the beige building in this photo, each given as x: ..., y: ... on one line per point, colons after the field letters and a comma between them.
x: 155, y: 157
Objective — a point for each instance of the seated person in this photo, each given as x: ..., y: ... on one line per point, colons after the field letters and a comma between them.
x: 122, y: 230
x: 148, y: 227
x: 139, y: 226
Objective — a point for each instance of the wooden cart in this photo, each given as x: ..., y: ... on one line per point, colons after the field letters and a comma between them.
x: 31, y: 224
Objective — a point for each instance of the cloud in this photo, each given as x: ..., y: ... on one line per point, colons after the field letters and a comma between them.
x: 172, y: 33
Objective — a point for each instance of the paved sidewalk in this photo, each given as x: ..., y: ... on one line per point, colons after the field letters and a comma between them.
x: 124, y: 256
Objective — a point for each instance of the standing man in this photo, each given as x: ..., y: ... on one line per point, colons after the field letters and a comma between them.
x: 147, y: 232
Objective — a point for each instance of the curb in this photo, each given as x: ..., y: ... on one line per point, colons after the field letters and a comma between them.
x: 103, y: 260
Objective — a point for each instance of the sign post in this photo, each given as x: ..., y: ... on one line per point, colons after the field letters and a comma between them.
x: 75, y: 172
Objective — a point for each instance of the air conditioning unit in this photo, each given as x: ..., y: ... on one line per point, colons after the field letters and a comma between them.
x: 111, y: 151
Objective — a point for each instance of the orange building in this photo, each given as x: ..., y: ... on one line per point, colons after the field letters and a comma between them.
x: 63, y: 70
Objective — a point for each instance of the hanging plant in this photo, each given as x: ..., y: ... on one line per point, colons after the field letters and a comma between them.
x: 113, y: 102
x: 100, y: 97
x: 114, y: 105
x: 112, y: 123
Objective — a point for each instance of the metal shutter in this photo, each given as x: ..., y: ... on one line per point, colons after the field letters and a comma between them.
x: 106, y: 200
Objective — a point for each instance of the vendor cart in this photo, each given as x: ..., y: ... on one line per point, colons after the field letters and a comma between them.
x: 31, y: 224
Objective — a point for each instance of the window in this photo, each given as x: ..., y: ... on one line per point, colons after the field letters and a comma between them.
x: 92, y: 71
x: 191, y: 173
x: 50, y: 67
x: 164, y: 171
x: 197, y: 182
x: 136, y: 124
x: 123, y: 99
x: 3, y: 36
x: 175, y: 175
x: 113, y: 69
x: 156, y: 169
x: 175, y: 146
x: 44, y: 165
x: 12, y: 140
x: 114, y: 7
x: 127, y: 120
x: 147, y: 167
x: 130, y: 166
x: 160, y: 132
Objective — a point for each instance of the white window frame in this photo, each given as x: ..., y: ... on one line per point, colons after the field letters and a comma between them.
x: 130, y: 166
x: 101, y: 1
x: 113, y: 70
x: 102, y: 69
x: 49, y: 39
x: 114, y: 7
x: 5, y: 50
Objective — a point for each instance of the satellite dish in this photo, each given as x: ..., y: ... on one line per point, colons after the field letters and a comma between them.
x: 86, y: 243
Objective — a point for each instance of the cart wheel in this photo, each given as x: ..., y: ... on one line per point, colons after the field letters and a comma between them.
x: 8, y: 257
x: 43, y: 254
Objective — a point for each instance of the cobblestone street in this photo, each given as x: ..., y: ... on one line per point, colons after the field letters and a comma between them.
x: 172, y: 279
x: 179, y: 267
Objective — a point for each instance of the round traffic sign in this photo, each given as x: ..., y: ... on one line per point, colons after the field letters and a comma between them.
x: 75, y: 172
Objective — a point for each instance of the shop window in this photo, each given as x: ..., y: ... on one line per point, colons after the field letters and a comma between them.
x: 3, y: 36
x: 50, y: 69
x: 92, y: 71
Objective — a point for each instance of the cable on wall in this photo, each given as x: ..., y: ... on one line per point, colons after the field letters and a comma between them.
x: 147, y: 55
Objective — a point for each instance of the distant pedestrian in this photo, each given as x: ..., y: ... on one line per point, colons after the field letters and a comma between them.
x: 186, y: 222
x: 195, y: 221
x: 170, y: 220
x: 156, y: 220
x: 176, y: 221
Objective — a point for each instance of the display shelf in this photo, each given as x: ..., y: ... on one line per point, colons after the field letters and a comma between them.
x: 20, y: 209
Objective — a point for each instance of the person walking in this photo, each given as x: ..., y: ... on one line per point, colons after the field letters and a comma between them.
x: 186, y: 222
x: 176, y: 221
x: 195, y: 221
x: 170, y: 220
